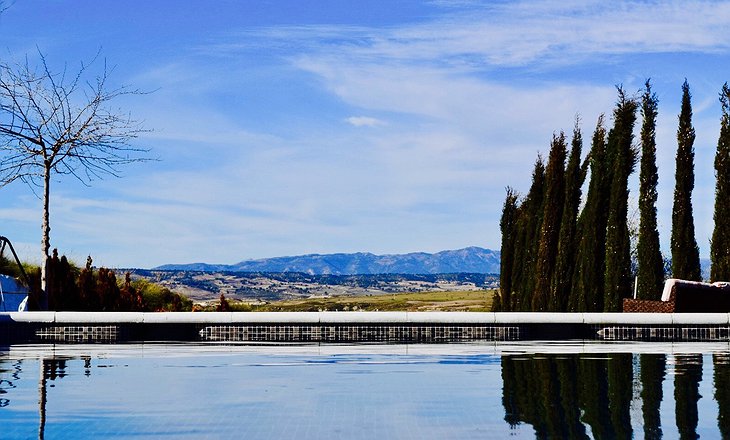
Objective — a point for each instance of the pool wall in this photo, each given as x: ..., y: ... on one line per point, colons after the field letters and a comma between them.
x: 343, y: 327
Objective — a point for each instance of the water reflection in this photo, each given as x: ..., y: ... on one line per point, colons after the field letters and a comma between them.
x: 580, y: 397
x: 50, y: 370
x: 721, y: 364
x: 573, y: 396
x: 564, y: 397
x: 9, y: 373
x: 688, y: 375
x: 653, y: 369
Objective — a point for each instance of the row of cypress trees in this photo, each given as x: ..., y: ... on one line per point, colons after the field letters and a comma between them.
x: 558, y: 257
x: 578, y: 397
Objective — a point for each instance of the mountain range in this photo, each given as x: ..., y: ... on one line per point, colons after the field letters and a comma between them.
x: 468, y: 260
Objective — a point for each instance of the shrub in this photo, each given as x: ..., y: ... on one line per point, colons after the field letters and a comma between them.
x: 90, y: 289
x: 158, y: 298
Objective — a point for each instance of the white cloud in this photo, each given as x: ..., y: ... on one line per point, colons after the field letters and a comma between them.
x: 481, y: 34
x: 364, y: 121
x: 19, y: 215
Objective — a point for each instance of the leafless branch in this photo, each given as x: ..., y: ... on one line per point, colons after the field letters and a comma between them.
x: 63, y: 124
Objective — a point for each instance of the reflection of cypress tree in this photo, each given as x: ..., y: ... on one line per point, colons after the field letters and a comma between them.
x: 620, y: 381
x: 555, y: 423
x: 531, y: 399
x: 550, y: 230
x: 569, y: 382
x: 686, y: 393
x: 507, y: 226
x: 574, y: 177
x: 528, y: 226
x: 517, y: 399
x: 622, y: 157
x: 587, y: 292
x: 560, y: 396
x: 721, y: 365
x: 543, y: 392
x: 593, y: 394
x: 653, y: 370
x: 510, y: 395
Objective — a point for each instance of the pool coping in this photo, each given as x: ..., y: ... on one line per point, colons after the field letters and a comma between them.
x: 476, y: 318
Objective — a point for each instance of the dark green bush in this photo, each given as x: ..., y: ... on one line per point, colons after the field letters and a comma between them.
x: 89, y: 289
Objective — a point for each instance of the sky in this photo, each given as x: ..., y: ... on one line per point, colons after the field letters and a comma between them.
x: 285, y: 127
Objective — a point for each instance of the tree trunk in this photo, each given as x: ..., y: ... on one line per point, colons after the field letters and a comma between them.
x: 46, y: 240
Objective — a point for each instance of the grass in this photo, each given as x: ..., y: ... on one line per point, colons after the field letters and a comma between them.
x: 472, y: 301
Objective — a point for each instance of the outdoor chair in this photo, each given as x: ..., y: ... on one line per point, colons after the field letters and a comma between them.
x: 681, y: 296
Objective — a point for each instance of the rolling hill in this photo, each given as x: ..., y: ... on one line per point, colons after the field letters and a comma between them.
x: 467, y: 260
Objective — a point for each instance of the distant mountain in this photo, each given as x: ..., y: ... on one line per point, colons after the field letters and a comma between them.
x: 705, y: 268
x: 467, y: 260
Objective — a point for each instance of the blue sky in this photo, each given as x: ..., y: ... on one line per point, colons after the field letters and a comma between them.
x: 289, y: 127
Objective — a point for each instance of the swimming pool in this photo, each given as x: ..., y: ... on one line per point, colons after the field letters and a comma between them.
x: 479, y: 390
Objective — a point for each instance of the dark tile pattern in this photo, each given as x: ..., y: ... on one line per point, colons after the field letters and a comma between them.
x: 663, y: 333
x: 358, y: 333
x: 79, y: 333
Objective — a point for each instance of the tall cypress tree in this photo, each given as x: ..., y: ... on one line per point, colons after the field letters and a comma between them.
x: 574, y: 177
x: 527, y: 240
x: 685, y: 253
x: 550, y: 230
x: 720, y: 246
x: 617, y: 282
x: 507, y: 225
x: 587, y: 292
x: 651, y: 265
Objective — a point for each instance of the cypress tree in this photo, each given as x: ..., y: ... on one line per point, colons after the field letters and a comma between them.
x: 720, y: 245
x: 550, y: 230
x: 685, y: 253
x: 507, y: 225
x: 526, y: 243
x: 520, y: 254
x: 574, y: 177
x: 587, y: 292
x: 651, y: 265
x: 617, y: 282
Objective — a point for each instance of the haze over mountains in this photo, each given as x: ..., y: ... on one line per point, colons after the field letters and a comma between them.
x: 468, y: 260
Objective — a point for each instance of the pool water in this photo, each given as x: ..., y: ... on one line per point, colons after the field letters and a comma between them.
x: 516, y: 390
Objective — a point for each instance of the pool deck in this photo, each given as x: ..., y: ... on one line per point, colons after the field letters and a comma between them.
x: 343, y: 327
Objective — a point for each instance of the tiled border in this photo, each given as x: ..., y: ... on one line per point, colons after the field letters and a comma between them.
x: 358, y: 333
x: 360, y: 326
x: 78, y: 334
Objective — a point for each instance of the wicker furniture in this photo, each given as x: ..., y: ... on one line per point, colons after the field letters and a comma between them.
x: 680, y: 296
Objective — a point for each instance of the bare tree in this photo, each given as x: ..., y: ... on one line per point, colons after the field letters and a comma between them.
x: 61, y: 124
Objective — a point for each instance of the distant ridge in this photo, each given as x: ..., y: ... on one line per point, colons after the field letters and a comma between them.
x: 468, y: 260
